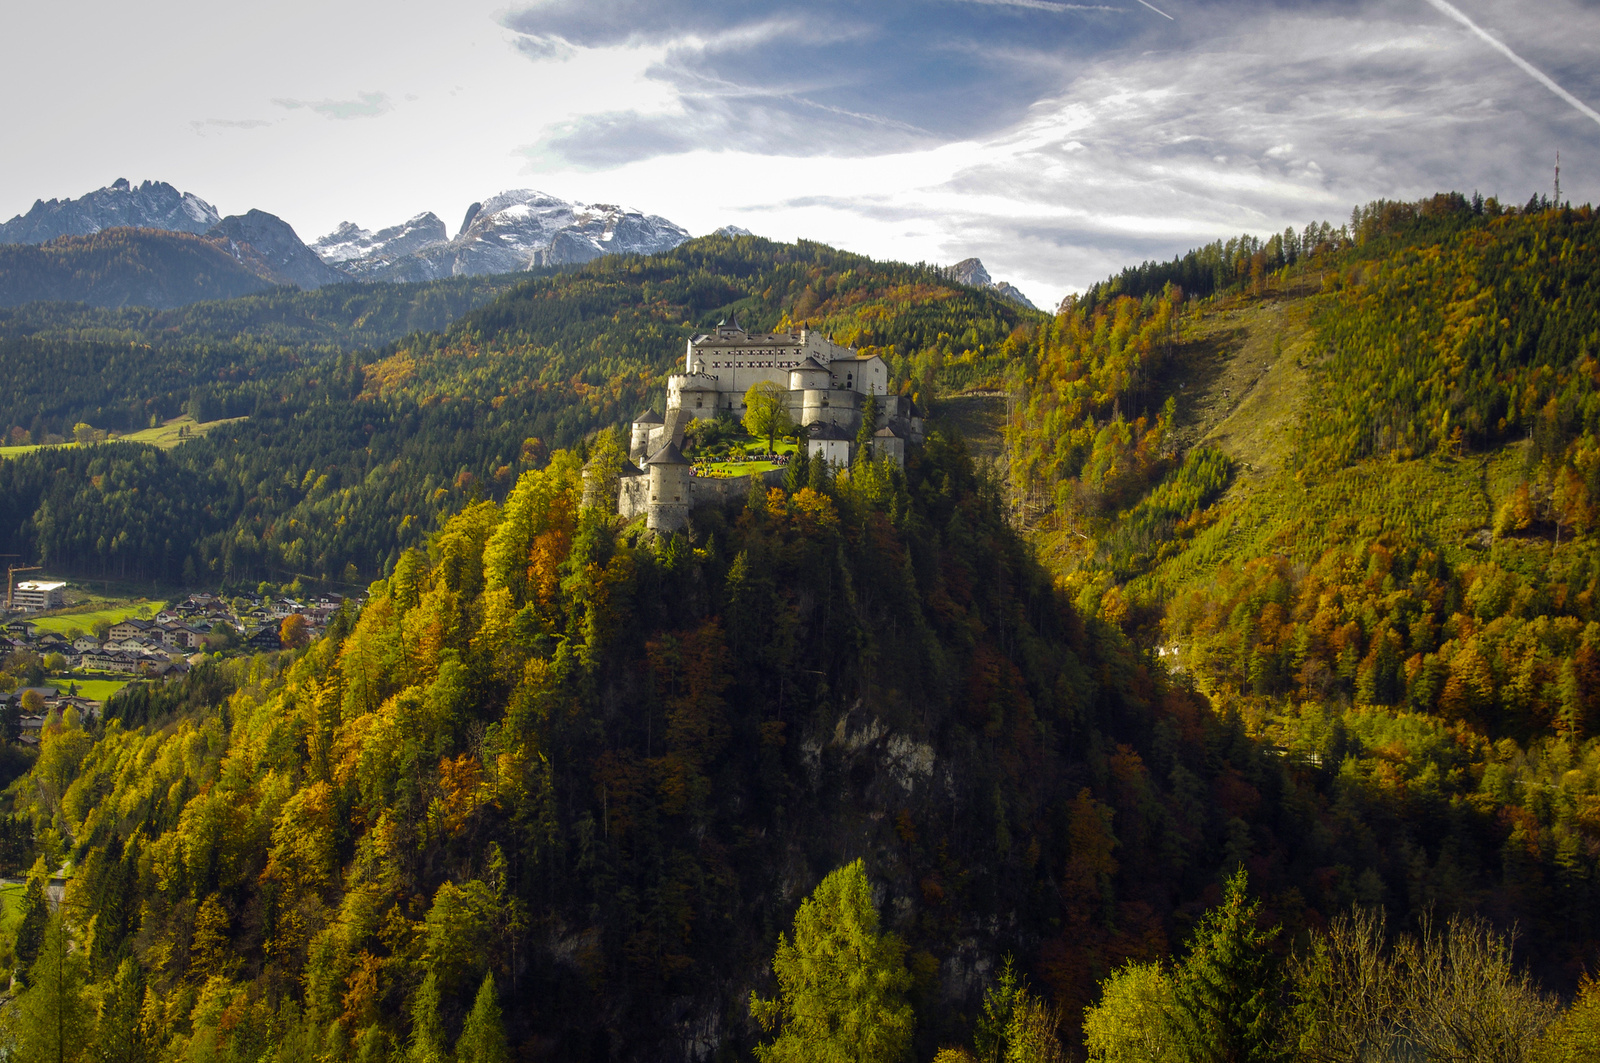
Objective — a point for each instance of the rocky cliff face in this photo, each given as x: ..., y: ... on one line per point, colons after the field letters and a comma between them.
x: 152, y: 205
x: 268, y: 245
x: 512, y: 231
x: 970, y: 271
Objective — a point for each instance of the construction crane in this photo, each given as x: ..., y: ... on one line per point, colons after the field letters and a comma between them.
x: 11, y: 579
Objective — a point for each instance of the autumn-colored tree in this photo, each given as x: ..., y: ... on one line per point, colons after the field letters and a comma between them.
x: 294, y: 632
x: 1133, y: 1020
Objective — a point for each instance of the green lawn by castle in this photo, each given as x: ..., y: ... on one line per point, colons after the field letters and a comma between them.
x: 111, y: 612
x: 93, y: 689
x: 747, y: 468
x: 740, y: 468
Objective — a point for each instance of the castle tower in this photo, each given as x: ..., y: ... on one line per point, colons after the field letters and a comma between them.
x: 639, y: 442
x: 671, y: 478
x: 888, y: 443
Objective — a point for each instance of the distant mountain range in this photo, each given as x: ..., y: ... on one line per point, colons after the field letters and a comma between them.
x: 153, y: 245
x: 512, y: 231
x: 114, y: 246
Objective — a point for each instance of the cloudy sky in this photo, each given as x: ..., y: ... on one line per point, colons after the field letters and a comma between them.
x: 1057, y: 141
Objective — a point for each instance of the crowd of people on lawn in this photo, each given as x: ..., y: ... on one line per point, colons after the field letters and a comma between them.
x: 703, y: 468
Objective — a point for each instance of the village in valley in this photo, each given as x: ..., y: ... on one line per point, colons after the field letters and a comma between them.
x: 65, y: 650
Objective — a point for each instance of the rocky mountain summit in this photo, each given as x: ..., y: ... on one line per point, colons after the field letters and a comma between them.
x: 152, y: 205
x: 970, y: 271
x: 513, y: 231
x: 268, y: 243
x: 363, y: 253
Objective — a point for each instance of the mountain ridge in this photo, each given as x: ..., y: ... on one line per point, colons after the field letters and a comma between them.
x: 152, y: 205
x: 511, y: 231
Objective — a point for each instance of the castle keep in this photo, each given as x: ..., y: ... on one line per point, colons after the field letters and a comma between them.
x: 827, y: 386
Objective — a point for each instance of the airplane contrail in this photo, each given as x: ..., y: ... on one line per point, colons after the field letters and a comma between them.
x: 1157, y: 10
x: 1528, y: 68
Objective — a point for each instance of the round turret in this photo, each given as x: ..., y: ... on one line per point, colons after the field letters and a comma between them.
x: 639, y: 440
x: 671, y: 480
x: 809, y: 375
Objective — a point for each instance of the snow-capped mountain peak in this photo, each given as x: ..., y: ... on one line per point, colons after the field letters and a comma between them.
x: 513, y: 230
x: 361, y: 251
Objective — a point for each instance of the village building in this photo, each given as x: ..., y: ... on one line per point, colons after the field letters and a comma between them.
x: 37, y: 595
x: 131, y: 628
x: 829, y: 442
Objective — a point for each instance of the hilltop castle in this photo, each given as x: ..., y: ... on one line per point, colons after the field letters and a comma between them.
x: 827, y: 387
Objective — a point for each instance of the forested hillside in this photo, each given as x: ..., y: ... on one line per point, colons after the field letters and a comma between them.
x: 1395, y: 582
x: 1249, y: 705
x: 600, y: 770
x: 351, y: 451
x: 124, y: 267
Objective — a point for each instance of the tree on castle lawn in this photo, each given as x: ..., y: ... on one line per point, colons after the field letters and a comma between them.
x: 766, y: 412
x: 841, y: 984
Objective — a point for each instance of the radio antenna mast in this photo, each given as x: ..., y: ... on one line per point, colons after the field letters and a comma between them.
x: 1558, y: 179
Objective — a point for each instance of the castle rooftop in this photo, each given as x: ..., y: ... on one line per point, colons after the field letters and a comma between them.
x: 668, y: 455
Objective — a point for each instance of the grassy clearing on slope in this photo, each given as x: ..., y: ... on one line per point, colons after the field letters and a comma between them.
x: 84, y: 619
x: 93, y: 689
x: 17, y: 452
x: 11, y: 906
x: 175, y: 431
x: 1442, y: 501
x: 166, y: 435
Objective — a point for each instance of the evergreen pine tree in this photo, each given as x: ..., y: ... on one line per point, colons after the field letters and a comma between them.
x: 35, y: 916
x: 1225, y: 993
x: 868, y: 428
x: 372, y: 1046
x: 122, y: 1032
x: 52, y: 1021
x: 798, y: 472
x: 817, y: 477
x: 998, y: 1000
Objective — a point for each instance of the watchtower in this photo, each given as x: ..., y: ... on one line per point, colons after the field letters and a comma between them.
x: 671, y: 479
